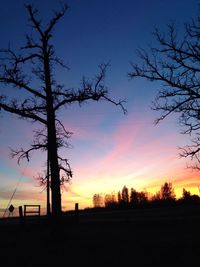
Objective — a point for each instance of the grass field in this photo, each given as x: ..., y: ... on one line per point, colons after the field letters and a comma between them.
x: 150, y: 237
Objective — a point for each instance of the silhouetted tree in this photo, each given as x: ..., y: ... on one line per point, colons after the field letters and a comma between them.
x: 167, y: 192
x: 97, y: 201
x: 134, y: 197
x: 125, y: 195
x: 186, y: 194
x: 156, y: 197
x: 119, y: 197
x: 138, y: 198
x: 188, y: 198
x: 31, y: 72
x: 174, y: 63
x: 110, y: 200
x: 142, y: 198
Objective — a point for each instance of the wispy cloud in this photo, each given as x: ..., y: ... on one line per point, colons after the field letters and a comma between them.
x: 133, y: 152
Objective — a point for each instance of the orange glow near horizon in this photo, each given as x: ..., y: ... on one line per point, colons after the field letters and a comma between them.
x: 110, y: 149
x: 134, y: 153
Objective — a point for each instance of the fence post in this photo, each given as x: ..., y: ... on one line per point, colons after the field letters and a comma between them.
x: 76, y: 217
x: 76, y: 207
x: 21, y: 215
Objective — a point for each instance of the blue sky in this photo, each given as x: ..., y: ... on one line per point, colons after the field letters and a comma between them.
x: 109, y: 149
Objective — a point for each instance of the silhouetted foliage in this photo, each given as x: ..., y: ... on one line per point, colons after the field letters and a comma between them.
x: 110, y: 200
x: 138, y: 198
x: 165, y: 197
x: 119, y: 197
x: 98, y: 201
x: 186, y: 194
x: 156, y: 197
x: 174, y: 63
x: 167, y: 192
x: 142, y: 198
x: 125, y: 195
x: 188, y: 198
x: 134, y: 197
x: 32, y: 72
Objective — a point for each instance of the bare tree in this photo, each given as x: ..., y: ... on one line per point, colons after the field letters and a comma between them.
x: 174, y: 63
x: 31, y: 72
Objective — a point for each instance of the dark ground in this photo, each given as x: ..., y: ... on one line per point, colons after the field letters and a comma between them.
x: 150, y: 237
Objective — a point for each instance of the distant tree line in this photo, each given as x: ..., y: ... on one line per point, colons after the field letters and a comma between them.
x: 133, y: 199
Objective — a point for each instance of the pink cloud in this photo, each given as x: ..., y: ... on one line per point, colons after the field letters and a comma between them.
x: 138, y: 153
x: 134, y: 153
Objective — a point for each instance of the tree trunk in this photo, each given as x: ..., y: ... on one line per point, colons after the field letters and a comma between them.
x: 55, y: 176
x: 48, y: 187
x: 44, y: 102
x: 51, y: 135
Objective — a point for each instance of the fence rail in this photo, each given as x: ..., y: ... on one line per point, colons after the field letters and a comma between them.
x: 28, y: 209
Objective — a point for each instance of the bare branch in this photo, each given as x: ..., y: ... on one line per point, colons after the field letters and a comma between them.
x: 22, y: 113
x: 66, y: 168
x: 90, y: 90
x: 66, y: 133
x: 119, y: 103
x: 25, y: 154
x: 32, y: 12
x: 21, y: 85
x: 35, y: 66
x: 55, y: 19
x: 174, y: 64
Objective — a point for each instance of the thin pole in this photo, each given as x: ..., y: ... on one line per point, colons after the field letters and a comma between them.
x: 15, y: 190
x: 48, y: 187
x: 10, y: 200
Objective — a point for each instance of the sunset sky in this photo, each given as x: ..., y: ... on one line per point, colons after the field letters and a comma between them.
x: 110, y: 149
